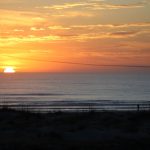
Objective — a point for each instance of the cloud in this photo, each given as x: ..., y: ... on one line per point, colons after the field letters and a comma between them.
x: 74, y: 33
x: 72, y: 14
x: 61, y: 37
x: 65, y: 6
x: 66, y: 37
x: 58, y: 28
x: 99, y: 31
x: 36, y: 29
x: 138, y: 24
x: 18, y: 30
x: 9, y: 17
x: 95, y: 5
x: 122, y: 34
x: 99, y: 6
x: 8, y: 41
x: 10, y: 1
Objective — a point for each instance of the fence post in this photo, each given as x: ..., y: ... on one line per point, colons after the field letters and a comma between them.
x: 138, y: 107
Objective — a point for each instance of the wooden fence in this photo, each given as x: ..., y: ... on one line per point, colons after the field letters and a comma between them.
x: 82, y: 107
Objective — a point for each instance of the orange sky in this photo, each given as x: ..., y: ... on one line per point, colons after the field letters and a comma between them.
x: 105, y: 32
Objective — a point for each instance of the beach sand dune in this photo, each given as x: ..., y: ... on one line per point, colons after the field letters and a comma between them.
x: 75, y: 131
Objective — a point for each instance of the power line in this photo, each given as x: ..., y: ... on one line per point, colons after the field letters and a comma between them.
x: 78, y: 63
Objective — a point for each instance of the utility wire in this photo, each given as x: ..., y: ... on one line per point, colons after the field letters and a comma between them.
x: 78, y: 63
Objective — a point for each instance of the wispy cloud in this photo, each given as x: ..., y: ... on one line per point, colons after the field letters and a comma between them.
x: 95, y: 5
x: 65, y: 6
x: 124, y: 34
x: 52, y: 38
x: 105, y: 35
x: 9, y: 17
x: 7, y: 41
x: 73, y: 14
x: 36, y: 29
x: 58, y: 28
x: 99, y: 5
x: 138, y: 24
x: 80, y: 33
x: 10, y: 1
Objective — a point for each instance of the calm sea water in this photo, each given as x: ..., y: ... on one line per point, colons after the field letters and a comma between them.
x: 49, y: 87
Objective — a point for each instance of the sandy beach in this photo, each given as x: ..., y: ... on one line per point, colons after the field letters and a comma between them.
x: 74, y: 131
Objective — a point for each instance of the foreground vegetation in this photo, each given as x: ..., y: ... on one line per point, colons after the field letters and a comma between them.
x: 74, y: 131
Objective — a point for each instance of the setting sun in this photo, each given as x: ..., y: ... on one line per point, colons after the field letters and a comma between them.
x: 9, y: 70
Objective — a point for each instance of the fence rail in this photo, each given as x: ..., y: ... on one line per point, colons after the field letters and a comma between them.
x: 78, y: 107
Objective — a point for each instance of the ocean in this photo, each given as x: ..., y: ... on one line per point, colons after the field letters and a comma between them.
x: 74, y: 88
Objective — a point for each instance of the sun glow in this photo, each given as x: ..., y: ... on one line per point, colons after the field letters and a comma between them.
x: 9, y: 70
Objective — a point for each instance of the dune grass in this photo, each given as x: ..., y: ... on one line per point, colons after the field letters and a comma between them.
x: 21, y: 130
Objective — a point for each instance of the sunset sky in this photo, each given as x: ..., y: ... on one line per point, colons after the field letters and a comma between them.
x: 103, y: 32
